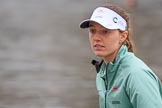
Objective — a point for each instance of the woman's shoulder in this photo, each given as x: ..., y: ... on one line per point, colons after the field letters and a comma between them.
x: 136, y: 68
x: 133, y: 62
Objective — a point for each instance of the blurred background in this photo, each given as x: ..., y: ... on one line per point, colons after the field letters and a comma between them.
x: 45, y: 57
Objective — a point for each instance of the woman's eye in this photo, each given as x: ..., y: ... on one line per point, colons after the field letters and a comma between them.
x: 92, y: 31
x: 104, y: 32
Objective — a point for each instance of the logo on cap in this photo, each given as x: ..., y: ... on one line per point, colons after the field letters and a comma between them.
x: 99, y: 14
x: 115, y: 19
x: 100, y: 11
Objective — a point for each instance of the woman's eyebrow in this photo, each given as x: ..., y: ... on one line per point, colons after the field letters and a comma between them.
x: 91, y: 25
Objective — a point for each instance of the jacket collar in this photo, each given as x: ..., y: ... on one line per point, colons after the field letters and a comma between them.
x: 113, y: 66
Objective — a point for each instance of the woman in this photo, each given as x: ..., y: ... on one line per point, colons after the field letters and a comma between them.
x: 123, y: 80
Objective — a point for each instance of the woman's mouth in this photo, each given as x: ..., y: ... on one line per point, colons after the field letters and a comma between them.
x: 98, y: 47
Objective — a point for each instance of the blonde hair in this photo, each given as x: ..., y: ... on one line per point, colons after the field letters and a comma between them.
x: 128, y: 42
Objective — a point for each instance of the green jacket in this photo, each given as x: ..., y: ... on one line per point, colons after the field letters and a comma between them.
x: 128, y: 83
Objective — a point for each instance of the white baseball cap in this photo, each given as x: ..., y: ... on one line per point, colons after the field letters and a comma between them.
x: 107, y: 18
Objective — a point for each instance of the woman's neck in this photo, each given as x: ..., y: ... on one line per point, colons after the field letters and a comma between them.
x: 111, y: 57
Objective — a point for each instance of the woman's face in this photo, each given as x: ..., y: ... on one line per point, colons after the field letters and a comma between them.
x: 105, y: 43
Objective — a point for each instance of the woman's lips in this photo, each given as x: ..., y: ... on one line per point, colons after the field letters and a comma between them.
x: 98, y: 47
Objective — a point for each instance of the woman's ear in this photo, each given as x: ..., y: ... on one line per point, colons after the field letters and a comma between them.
x: 123, y: 36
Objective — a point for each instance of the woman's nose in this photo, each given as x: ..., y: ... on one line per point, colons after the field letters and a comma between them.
x: 97, y: 36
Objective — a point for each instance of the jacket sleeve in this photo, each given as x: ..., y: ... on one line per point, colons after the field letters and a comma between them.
x: 144, y: 89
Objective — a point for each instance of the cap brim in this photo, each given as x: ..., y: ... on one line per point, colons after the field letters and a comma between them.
x: 85, y: 23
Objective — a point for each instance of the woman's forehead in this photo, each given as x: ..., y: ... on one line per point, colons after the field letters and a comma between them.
x: 97, y: 25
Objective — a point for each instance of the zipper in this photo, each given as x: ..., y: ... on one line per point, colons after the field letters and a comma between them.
x: 105, y: 98
x: 106, y: 84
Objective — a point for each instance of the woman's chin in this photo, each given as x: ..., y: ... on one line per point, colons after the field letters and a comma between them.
x: 99, y: 54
